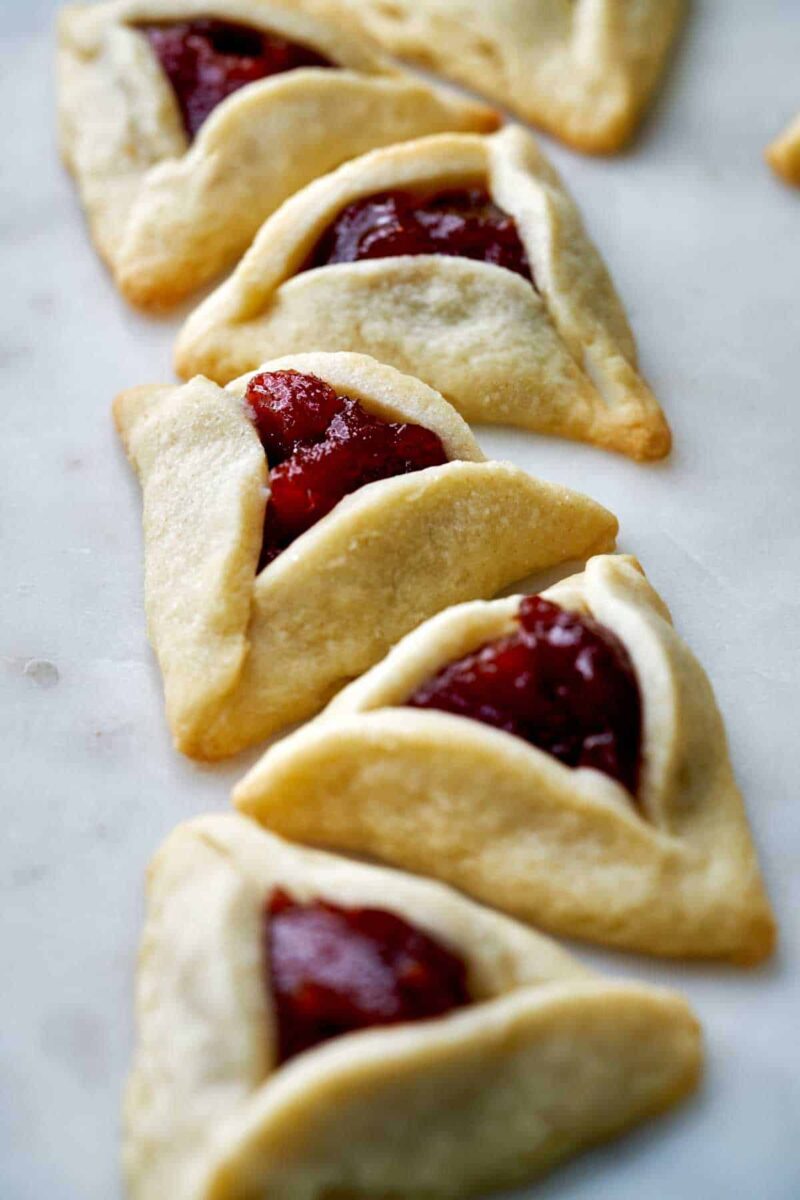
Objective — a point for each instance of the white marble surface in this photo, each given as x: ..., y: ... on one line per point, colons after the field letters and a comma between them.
x: 706, y: 249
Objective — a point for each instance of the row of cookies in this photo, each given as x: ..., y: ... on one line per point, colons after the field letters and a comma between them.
x: 549, y: 351
x: 248, y: 647
x: 614, y: 817
x: 314, y: 522
x: 179, y: 162
x: 179, y: 158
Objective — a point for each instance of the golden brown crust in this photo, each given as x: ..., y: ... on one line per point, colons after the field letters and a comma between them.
x: 674, y: 874
x: 783, y: 155
x: 549, y: 1059
x: 245, y: 655
x: 167, y: 216
x: 584, y: 70
x: 560, y: 360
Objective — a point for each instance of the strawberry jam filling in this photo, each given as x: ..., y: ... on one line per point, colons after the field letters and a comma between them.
x: 335, y: 970
x: 460, y: 224
x: 320, y: 447
x: 563, y: 682
x: 207, y: 60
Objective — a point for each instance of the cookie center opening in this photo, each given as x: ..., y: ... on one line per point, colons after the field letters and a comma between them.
x: 464, y: 224
x: 336, y: 970
x: 207, y: 60
x: 321, y: 447
x: 563, y: 682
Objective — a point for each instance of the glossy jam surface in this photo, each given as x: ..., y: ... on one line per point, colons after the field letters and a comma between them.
x: 335, y: 970
x: 320, y: 447
x: 465, y: 224
x: 563, y: 682
x: 207, y: 60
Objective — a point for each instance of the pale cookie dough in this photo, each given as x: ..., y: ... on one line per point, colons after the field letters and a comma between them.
x: 784, y: 153
x: 672, y: 873
x: 244, y: 655
x: 584, y: 70
x: 168, y: 216
x: 560, y: 360
x: 549, y: 1059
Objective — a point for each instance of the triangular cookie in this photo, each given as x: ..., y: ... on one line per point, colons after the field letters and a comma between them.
x: 556, y: 356
x: 540, y: 1059
x: 671, y: 870
x: 584, y: 70
x: 784, y: 153
x: 169, y: 210
x: 244, y: 654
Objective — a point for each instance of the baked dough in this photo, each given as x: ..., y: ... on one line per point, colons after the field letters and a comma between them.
x: 167, y: 216
x: 784, y: 153
x: 550, y: 1057
x: 569, y: 850
x: 244, y: 655
x: 584, y: 70
x: 559, y: 361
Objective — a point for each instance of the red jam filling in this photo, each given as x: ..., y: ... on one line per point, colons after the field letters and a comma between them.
x: 207, y: 60
x: 335, y: 970
x: 563, y: 682
x: 461, y: 224
x: 320, y: 447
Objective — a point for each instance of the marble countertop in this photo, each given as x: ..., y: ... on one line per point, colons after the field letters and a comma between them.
x: 705, y: 248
